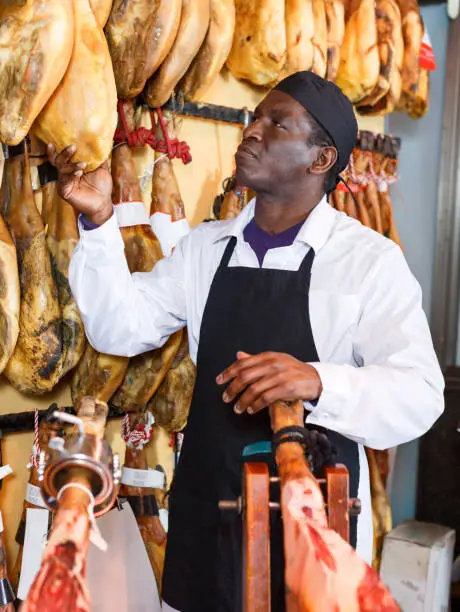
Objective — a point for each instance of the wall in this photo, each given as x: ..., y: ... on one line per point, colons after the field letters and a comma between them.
x: 415, y: 206
x: 213, y: 147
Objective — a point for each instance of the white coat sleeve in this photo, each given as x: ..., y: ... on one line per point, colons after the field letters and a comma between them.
x: 123, y: 313
x: 395, y: 392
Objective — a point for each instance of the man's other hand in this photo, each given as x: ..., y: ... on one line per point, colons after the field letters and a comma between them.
x: 265, y: 378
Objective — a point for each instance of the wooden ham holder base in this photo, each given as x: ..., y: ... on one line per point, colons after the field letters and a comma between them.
x: 255, y: 506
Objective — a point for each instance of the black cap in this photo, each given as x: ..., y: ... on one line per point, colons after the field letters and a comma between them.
x: 331, y: 108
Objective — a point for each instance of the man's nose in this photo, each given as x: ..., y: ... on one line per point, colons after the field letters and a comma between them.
x: 253, y: 130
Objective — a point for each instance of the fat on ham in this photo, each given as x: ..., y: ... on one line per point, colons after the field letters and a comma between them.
x: 194, y: 23
x: 36, y: 363
x: 101, y: 10
x: 83, y: 109
x: 36, y: 42
x: 259, y: 45
x: 213, y: 52
x: 140, y: 34
x: 359, y: 66
x: 9, y: 297
x: 300, y: 32
x: 62, y: 238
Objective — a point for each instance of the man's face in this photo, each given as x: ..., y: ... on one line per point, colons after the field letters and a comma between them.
x: 275, y: 147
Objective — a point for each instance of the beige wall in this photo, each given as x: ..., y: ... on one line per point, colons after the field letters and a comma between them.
x: 212, y: 146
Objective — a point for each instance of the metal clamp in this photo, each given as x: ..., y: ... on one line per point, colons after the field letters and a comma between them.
x: 83, y: 451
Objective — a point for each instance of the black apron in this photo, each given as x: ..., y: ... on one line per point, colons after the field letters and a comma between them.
x: 251, y: 310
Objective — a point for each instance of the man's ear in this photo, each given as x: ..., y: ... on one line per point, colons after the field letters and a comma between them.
x: 326, y: 158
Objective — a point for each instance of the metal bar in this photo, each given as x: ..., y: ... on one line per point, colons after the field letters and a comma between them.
x: 446, y: 287
x: 16, y: 422
x: 210, y: 112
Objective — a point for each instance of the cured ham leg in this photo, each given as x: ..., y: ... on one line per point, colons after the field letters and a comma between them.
x: 48, y: 429
x: 322, y: 571
x: 36, y: 41
x: 171, y: 403
x: 101, y: 10
x: 194, y: 23
x: 388, y: 19
x: 335, y: 20
x: 359, y: 66
x: 140, y: 34
x: 300, y: 31
x: 213, y: 52
x: 259, y: 45
x: 390, y: 42
x: 83, y: 109
x: 62, y: 238
x: 412, y: 32
x: 61, y: 582
x: 145, y: 372
x: 167, y: 210
x: 143, y: 501
x: 36, y: 363
x: 10, y: 297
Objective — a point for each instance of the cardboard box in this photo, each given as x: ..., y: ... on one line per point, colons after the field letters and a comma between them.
x: 417, y: 565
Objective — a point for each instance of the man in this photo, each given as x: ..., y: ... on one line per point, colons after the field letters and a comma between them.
x: 291, y: 300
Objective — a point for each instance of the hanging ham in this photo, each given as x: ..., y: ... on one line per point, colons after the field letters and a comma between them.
x: 36, y: 41
x: 101, y: 10
x: 35, y: 366
x: 412, y: 32
x: 62, y: 238
x: 259, y: 45
x: 83, y: 109
x: 171, y: 403
x: 48, y: 429
x: 143, y: 500
x: 213, y: 52
x: 335, y: 20
x: 60, y: 583
x: 167, y: 210
x: 389, y: 34
x: 194, y: 23
x: 359, y: 66
x: 300, y: 31
x: 319, y: 66
x: 145, y: 372
x: 389, y: 101
x: 140, y: 34
x: 9, y: 296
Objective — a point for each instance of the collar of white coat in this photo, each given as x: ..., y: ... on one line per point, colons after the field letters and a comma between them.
x: 314, y: 232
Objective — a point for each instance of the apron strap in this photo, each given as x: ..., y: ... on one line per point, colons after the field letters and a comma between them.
x: 228, y: 252
x: 306, y: 265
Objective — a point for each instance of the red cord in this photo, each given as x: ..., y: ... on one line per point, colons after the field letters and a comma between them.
x: 142, y: 136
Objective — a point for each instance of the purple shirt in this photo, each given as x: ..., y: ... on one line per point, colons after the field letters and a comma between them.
x: 87, y: 224
x: 260, y: 242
